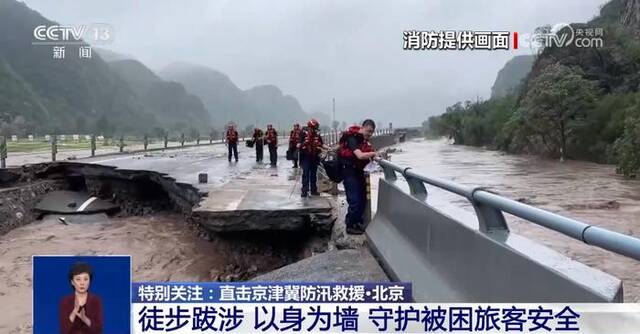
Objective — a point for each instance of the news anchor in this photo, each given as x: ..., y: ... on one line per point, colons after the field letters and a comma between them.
x: 81, y: 311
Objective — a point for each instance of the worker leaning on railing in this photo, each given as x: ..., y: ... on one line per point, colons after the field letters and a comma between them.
x: 354, y: 153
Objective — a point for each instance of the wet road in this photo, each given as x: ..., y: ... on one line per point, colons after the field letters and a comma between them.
x: 185, y: 164
x: 64, y: 153
x: 585, y: 191
x: 146, y: 238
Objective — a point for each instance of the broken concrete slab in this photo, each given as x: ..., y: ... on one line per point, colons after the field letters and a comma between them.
x: 264, y: 199
x: 350, y: 265
x: 73, y: 202
x: 108, y: 182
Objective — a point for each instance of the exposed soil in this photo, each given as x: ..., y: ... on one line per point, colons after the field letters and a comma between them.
x: 153, y: 226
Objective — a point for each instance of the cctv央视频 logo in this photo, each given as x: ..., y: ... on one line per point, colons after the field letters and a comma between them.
x: 563, y: 35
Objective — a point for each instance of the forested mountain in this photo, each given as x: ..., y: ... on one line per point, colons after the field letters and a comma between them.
x: 111, y: 93
x: 41, y: 94
x: 577, y: 102
x: 168, y: 101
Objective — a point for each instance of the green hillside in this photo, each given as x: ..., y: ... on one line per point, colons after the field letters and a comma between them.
x: 576, y: 103
x: 41, y: 94
x: 168, y: 101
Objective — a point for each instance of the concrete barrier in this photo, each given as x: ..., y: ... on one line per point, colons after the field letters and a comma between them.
x: 465, y: 261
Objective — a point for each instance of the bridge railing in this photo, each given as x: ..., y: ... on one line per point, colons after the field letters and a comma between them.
x: 489, y: 209
x: 90, y: 145
x: 332, y: 137
x: 456, y: 260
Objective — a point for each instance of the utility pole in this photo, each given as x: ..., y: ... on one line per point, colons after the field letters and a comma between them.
x: 3, y: 152
x: 334, y: 112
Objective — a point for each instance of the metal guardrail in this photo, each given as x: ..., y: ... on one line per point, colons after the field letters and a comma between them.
x: 489, y: 209
x: 332, y: 137
x: 119, y: 145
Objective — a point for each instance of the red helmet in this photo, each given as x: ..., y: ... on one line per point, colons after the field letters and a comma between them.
x: 313, y: 123
x: 296, y: 125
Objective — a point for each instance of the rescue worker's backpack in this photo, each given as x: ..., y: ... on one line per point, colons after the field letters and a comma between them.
x: 333, y: 168
x: 291, y: 154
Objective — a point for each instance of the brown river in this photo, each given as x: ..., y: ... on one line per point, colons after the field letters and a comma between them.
x: 585, y: 191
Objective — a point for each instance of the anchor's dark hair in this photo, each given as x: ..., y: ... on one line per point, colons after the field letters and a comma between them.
x: 80, y: 268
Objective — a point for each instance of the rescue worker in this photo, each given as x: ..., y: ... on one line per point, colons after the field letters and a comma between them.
x: 310, y: 145
x: 231, y: 138
x: 294, y: 139
x: 271, y: 139
x: 258, y: 141
x: 355, y: 153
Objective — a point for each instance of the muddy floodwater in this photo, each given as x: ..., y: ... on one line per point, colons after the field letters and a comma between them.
x: 585, y: 191
x: 161, y: 246
x: 164, y: 248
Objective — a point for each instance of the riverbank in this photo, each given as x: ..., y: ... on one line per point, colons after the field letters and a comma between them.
x: 585, y: 191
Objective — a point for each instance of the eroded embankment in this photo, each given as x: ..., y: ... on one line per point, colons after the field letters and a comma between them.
x: 153, y: 225
x: 147, y: 194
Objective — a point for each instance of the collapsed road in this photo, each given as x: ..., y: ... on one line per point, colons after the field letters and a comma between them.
x: 245, y: 222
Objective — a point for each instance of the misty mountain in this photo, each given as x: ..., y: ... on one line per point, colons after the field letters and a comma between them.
x: 226, y: 102
x: 221, y: 97
x: 42, y: 94
x: 511, y: 75
x: 270, y: 106
x: 110, y: 56
x: 168, y: 101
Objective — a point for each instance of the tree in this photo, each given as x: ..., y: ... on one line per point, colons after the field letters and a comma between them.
x: 193, y: 133
x: 555, y: 106
x: 627, y: 148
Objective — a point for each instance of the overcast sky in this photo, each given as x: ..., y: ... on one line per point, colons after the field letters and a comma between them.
x: 316, y: 50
